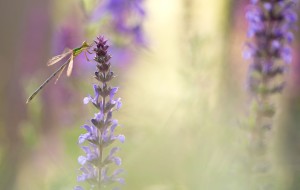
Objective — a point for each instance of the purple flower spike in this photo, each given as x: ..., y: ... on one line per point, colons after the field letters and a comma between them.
x: 100, y: 134
x: 270, y: 27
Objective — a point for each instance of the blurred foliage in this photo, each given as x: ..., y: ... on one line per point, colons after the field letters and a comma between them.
x: 183, y: 99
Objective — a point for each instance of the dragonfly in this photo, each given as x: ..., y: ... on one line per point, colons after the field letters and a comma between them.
x: 72, y: 53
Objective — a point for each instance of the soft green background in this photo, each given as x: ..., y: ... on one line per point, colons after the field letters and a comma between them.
x: 184, y: 101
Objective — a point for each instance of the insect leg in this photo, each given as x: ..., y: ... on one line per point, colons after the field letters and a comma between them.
x: 86, y: 56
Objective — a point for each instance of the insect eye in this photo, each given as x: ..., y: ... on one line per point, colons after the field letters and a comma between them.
x: 85, y: 44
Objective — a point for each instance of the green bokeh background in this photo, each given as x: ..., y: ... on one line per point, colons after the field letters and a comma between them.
x: 184, y: 101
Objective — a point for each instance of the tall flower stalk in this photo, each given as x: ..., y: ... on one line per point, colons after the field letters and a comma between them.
x: 270, y: 26
x: 100, y: 134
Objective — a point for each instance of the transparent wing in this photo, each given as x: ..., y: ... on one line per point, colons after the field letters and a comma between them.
x: 57, y: 58
x: 59, y: 74
x: 70, y: 67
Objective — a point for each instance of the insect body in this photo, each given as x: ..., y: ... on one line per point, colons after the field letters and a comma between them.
x: 69, y: 63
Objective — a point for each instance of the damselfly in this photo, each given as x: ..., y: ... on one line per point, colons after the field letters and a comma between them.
x: 69, y: 63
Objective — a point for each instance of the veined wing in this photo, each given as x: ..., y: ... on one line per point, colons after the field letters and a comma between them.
x: 70, y: 67
x: 60, y: 72
x: 57, y: 58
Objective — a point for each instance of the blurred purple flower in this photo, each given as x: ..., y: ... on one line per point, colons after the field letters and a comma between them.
x: 270, y: 25
x: 126, y: 18
x: 121, y: 7
x: 100, y: 134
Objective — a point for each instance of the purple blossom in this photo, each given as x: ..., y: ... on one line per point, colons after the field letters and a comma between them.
x: 89, y: 173
x: 78, y: 188
x: 126, y: 17
x: 121, y: 7
x: 121, y: 11
x: 91, y: 135
x: 100, y: 133
x: 112, y: 178
x: 270, y: 26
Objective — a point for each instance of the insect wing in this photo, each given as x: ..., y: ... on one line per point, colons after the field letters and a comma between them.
x: 57, y: 58
x: 59, y: 74
x: 70, y: 67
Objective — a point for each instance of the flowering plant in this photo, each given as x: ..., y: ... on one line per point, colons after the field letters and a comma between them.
x: 100, y: 134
